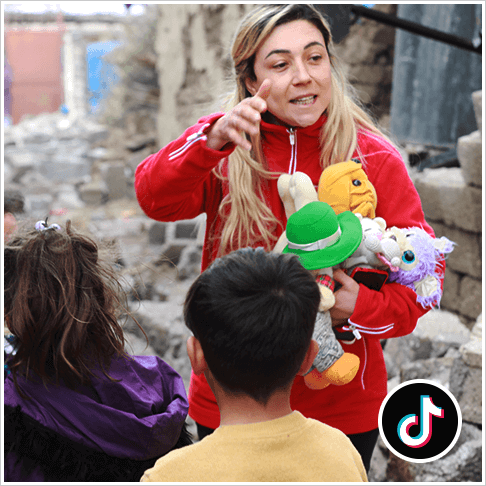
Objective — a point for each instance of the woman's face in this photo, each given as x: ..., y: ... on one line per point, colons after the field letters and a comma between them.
x: 295, y: 59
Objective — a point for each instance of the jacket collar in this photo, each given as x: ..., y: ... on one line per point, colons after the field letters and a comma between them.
x: 312, y: 130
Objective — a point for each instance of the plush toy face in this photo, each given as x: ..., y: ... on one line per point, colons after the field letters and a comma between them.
x: 345, y: 187
x: 417, y: 269
x: 418, y: 254
x: 375, y: 250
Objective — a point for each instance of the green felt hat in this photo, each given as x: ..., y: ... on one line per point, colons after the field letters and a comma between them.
x: 321, y: 238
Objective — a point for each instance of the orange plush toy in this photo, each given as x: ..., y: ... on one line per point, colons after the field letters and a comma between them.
x: 345, y: 187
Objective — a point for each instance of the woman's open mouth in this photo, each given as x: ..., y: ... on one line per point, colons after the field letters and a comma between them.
x: 306, y: 100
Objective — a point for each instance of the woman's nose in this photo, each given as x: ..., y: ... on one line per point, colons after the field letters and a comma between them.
x: 301, y: 74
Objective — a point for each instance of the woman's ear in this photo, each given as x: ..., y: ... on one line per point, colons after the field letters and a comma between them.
x: 251, y: 86
x: 196, y: 355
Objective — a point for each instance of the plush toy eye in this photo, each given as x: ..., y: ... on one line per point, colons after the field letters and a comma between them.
x: 356, y: 182
x: 408, y: 257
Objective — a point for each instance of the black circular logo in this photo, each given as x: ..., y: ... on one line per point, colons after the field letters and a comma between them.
x: 420, y: 421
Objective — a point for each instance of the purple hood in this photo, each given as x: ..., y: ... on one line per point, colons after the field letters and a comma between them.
x: 139, y: 417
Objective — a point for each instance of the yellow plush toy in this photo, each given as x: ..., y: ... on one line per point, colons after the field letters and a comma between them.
x: 345, y: 187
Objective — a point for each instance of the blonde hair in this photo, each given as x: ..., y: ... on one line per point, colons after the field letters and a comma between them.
x: 250, y: 221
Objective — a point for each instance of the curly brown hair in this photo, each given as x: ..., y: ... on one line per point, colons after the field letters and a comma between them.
x: 62, y: 304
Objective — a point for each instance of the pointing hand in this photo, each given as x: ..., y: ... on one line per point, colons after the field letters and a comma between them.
x: 244, y: 117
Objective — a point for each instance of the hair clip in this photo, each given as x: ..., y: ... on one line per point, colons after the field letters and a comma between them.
x: 42, y: 226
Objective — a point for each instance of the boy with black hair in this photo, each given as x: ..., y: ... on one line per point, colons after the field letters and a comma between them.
x: 252, y: 314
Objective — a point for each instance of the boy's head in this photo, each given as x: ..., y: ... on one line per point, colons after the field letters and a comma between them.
x: 253, y: 314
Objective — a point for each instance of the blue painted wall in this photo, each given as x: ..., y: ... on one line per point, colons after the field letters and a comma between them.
x: 102, y: 76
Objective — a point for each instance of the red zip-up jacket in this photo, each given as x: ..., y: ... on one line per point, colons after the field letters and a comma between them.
x: 177, y: 183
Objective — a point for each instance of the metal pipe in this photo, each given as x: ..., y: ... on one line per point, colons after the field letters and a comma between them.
x: 415, y: 28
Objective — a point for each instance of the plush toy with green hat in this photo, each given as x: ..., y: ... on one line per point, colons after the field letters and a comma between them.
x: 322, y: 240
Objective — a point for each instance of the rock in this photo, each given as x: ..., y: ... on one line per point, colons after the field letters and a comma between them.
x: 436, y: 332
x: 377, y: 473
x: 137, y: 346
x: 472, y: 351
x: 13, y: 202
x: 471, y: 297
x: 462, y: 463
x: 157, y: 233
x: 477, y: 98
x: 167, y: 333
x: 447, y: 198
x: 469, y: 148
x: 94, y: 193
x: 189, y: 265
x: 113, y: 174
x: 186, y: 230
x: 466, y: 377
x: 437, y: 370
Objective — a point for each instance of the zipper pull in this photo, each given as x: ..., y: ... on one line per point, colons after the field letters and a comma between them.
x: 292, y: 136
x: 355, y: 332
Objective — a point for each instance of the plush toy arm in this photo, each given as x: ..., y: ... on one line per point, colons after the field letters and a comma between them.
x: 329, y: 348
x: 444, y: 245
x: 428, y: 291
x: 283, y: 186
x: 327, y: 298
x: 281, y: 243
x: 302, y: 190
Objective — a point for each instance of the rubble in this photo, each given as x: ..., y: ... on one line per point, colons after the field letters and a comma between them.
x: 441, y: 349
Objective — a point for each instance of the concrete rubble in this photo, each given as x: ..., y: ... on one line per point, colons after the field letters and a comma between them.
x: 441, y: 349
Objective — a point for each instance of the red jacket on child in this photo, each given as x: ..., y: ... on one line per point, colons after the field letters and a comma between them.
x: 178, y: 183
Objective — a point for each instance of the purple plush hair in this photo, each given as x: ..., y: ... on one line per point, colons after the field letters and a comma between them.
x: 427, y: 255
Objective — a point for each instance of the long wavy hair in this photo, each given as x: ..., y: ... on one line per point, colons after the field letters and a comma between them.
x: 247, y: 219
x: 62, y: 303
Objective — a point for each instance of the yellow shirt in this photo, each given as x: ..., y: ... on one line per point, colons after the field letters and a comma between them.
x: 288, y: 449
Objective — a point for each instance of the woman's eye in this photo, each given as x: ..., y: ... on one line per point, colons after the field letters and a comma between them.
x: 316, y: 58
x: 280, y: 65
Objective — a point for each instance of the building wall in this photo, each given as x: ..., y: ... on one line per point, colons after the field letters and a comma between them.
x: 48, y: 64
x: 35, y: 60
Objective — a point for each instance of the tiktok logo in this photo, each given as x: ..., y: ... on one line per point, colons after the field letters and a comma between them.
x: 428, y: 433
x: 427, y: 409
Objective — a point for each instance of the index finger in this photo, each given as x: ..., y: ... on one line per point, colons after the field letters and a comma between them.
x: 264, y: 89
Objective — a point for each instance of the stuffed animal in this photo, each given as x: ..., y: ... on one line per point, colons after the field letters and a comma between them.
x: 322, y: 240
x: 345, y: 187
x: 374, y: 251
x: 417, y: 267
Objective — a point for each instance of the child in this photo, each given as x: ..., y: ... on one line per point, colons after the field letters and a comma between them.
x: 252, y: 314
x: 77, y: 407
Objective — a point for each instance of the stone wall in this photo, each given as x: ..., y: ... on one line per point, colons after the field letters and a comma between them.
x: 452, y: 203
x: 192, y: 44
x: 367, y: 53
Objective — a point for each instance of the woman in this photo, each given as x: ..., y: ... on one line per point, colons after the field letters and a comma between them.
x: 294, y: 106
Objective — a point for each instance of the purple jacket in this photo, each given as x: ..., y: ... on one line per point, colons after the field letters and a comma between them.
x: 108, y: 431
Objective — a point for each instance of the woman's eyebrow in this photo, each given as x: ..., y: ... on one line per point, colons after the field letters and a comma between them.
x: 286, y: 51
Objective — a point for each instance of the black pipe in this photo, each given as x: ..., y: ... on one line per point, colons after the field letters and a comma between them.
x: 416, y: 28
